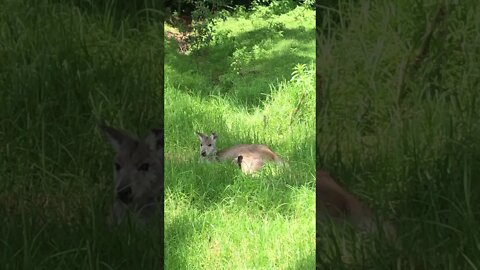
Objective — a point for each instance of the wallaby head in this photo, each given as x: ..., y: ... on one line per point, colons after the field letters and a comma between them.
x: 208, y: 148
x: 138, y: 172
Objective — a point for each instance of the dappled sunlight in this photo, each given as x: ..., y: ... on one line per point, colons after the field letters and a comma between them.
x: 245, y: 58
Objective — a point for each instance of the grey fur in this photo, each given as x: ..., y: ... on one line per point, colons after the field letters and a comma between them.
x: 138, y: 174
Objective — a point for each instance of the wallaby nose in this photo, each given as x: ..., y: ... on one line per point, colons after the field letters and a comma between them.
x: 125, y: 195
x: 204, y: 154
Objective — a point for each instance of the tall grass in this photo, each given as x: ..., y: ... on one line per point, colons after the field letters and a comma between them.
x: 399, y: 124
x: 63, y: 67
x: 253, y: 83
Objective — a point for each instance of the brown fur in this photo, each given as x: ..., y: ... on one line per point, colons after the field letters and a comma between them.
x: 335, y: 202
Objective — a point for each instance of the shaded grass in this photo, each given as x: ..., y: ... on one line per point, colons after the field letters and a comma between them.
x: 215, y: 216
x: 62, y: 70
x: 414, y: 158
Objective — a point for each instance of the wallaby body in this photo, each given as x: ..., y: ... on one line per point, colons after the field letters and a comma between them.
x: 333, y: 201
x: 249, y: 165
x: 138, y: 173
x: 253, y: 155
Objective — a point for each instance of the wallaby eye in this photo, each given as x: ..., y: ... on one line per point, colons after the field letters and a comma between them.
x: 117, y: 166
x: 201, y: 144
x: 209, y: 144
x: 144, y: 167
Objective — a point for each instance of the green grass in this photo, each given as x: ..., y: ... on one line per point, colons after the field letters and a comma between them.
x: 63, y: 67
x: 241, y: 87
x: 404, y: 136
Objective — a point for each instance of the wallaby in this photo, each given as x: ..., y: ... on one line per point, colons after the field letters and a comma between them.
x: 253, y: 155
x: 138, y: 173
x: 333, y: 201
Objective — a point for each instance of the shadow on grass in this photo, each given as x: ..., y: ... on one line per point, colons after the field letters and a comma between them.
x: 209, y: 70
x: 208, y: 185
x: 29, y: 241
x: 180, y: 234
x: 304, y: 263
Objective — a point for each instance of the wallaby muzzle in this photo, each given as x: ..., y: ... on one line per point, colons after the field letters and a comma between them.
x: 125, y: 195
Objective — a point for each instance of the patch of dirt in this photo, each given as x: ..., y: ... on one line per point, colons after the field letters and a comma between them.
x: 181, y: 39
x: 184, y: 25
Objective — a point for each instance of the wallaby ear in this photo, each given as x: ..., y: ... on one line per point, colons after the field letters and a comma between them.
x: 214, y: 136
x: 114, y: 136
x: 200, y: 136
x: 155, y: 139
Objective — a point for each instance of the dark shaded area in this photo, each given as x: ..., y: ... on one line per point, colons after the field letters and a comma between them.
x: 61, y: 71
x: 329, y: 15
x: 429, y: 195
x: 45, y: 240
x: 136, y: 11
x: 186, y: 7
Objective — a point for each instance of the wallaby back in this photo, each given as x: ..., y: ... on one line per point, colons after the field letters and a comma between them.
x: 249, y: 151
x: 138, y: 173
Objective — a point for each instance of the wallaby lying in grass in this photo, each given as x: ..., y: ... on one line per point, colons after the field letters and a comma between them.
x: 138, y: 173
x: 253, y: 155
x: 335, y: 202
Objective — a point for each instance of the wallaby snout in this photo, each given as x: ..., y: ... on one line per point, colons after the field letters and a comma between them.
x: 125, y: 195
